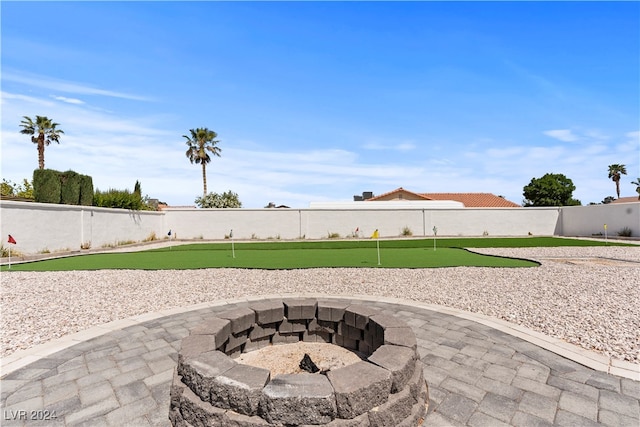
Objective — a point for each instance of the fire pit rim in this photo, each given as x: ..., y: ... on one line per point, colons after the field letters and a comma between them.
x: 353, y: 326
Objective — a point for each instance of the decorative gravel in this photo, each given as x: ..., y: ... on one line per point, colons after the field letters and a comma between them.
x: 583, y: 295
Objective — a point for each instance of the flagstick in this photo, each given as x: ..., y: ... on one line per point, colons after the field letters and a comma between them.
x: 233, y: 249
x: 435, y: 233
x: 9, y: 256
x: 378, y: 247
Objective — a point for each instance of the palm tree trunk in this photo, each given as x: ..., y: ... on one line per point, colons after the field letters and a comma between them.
x: 204, y: 179
x: 41, y: 151
x: 618, y: 187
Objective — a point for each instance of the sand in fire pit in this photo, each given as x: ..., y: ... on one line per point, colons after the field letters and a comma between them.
x: 285, y: 358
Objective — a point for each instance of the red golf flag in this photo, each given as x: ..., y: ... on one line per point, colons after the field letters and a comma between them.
x: 11, y: 239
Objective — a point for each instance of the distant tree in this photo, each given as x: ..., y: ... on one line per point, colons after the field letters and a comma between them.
x: 550, y: 190
x: 637, y: 184
x: 122, y: 199
x: 615, y: 173
x: 46, y: 134
x: 201, y: 143
x: 7, y: 188
x: 227, y: 199
x: 608, y: 200
x: 10, y: 189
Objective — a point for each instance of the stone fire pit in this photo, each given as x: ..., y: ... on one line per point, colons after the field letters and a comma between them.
x: 386, y: 388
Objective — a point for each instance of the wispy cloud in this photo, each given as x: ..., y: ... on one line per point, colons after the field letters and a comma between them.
x: 402, y: 146
x: 634, y: 136
x: 68, y: 100
x: 565, y: 135
x: 66, y: 86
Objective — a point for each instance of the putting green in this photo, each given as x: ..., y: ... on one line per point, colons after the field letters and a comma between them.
x: 399, y: 253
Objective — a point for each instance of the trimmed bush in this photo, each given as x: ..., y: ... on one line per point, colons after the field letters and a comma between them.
x: 86, y: 190
x: 70, y: 188
x: 46, y: 186
x: 123, y: 199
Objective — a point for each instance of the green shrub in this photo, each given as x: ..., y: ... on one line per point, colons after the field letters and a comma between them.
x: 123, y: 199
x: 69, y: 188
x: 86, y: 190
x: 625, y: 232
x: 46, y: 186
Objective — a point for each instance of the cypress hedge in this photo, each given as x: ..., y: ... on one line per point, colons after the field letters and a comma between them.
x: 86, y: 190
x: 70, y: 187
x: 46, y: 186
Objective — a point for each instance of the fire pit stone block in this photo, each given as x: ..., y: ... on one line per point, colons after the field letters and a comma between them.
x: 392, y: 412
x: 283, y: 338
x: 263, y: 331
x: 288, y: 326
x: 199, y: 372
x: 400, y: 361
x: 242, y: 319
x: 359, y: 388
x: 400, y: 336
x: 195, y: 411
x: 219, y: 328
x: 298, y: 399
x: 195, y: 345
x: 268, y: 311
x: 357, y: 315
x: 239, y: 388
x: 300, y: 308
x: 235, y: 342
x: 331, y: 311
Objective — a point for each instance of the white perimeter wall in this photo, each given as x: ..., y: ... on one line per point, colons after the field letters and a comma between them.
x: 320, y: 223
x: 38, y: 226
x: 590, y: 220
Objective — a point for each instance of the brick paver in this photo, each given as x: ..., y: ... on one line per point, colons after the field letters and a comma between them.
x: 477, y: 376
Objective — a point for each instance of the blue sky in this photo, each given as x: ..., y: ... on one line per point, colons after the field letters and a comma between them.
x: 318, y: 101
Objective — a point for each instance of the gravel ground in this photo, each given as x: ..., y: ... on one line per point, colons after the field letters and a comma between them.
x: 595, y: 305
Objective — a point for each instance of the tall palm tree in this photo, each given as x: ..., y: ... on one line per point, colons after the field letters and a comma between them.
x: 201, y: 143
x: 637, y: 184
x: 46, y: 131
x: 615, y: 172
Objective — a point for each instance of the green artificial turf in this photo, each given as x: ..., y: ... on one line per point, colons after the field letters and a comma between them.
x: 198, y: 257
x: 398, y: 253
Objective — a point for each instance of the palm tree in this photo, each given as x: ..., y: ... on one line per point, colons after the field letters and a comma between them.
x: 615, y: 172
x: 637, y: 184
x: 47, y: 133
x: 201, y: 143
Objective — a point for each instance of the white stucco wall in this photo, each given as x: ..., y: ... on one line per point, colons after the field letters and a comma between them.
x: 590, y: 220
x: 38, y: 227
x: 320, y: 223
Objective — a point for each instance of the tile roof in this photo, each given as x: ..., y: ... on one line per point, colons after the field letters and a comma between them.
x: 470, y: 200
x: 474, y: 200
x: 398, y: 190
x: 626, y: 200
